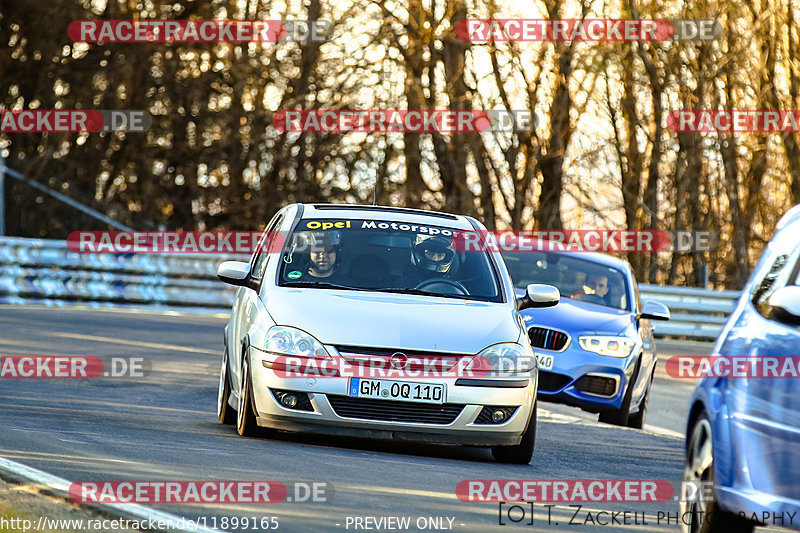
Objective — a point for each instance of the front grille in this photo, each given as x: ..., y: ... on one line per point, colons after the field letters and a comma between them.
x: 548, y: 339
x: 394, y: 411
x: 551, y: 382
x: 599, y: 385
x: 418, y: 361
x: 485, y: 416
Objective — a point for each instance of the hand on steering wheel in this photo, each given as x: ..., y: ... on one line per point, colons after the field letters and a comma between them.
x: 421, y: 286
x: 591, y: 298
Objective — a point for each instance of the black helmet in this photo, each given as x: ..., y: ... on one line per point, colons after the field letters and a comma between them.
x: 434, y: 245
x: 312, y: 240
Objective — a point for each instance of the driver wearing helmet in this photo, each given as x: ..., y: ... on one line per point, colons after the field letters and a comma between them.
x: 323, y: 251
x: 432, y: 258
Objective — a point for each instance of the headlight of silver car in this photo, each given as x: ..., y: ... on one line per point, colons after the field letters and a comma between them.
x: 506, y: 357
x: 284, y: 340
x: 607, y: 345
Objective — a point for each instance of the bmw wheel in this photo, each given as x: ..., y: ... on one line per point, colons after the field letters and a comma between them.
x: 637, y: 421
x: 619, y: 417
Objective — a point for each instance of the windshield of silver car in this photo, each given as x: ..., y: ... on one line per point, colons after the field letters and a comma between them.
x: 380, y: 255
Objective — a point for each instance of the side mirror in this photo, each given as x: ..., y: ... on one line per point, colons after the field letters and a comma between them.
x: 785, y: 303
x: 236, y: 273
x: 655, y: 311
x: 538, y: 295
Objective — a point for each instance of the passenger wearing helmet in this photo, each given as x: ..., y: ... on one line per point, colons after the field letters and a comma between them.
x: 323, y: 251
x: 431, y: 258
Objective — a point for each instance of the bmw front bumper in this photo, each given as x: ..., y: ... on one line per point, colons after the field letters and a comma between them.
x: 583, y: 379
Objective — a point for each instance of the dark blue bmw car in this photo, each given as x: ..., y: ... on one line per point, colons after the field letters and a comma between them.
x: 743, y: 433
x: 595, y: 349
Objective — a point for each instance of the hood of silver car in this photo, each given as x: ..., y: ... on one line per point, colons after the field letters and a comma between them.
x: 397, y: 321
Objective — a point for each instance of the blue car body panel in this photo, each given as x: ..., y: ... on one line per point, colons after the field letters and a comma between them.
x: 756, y: 422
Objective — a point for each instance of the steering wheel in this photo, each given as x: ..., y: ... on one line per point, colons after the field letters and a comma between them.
x: 591, y: 298
x: 448, y: 284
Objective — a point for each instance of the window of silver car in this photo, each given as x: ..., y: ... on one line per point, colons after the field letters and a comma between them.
x: 262, y: 255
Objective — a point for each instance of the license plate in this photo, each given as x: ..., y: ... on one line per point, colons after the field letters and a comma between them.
x: 545, y: 362
x: 406, y: 391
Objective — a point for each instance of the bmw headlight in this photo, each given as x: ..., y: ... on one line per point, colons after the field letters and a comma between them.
x: 607, y: 345
x: 507, y: 357
x: 283, y: 340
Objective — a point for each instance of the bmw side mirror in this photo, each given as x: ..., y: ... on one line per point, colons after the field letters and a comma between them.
x: 538, y: 295
x: 655, y: 311
x: 785, y: 303
x: 236, y: 273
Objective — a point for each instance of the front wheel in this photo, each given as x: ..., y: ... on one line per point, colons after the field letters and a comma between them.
x: 619, y: 417
x: 246, y: 424
x: 225, y: 412
x: 637, y: 421
x: 704, y: 515
x: 521, y: 453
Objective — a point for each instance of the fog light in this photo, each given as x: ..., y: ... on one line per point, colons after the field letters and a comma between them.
x: 289, y: 400
x: 498, y: 416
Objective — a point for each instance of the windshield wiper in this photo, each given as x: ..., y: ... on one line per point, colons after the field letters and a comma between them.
x: 321, y: 285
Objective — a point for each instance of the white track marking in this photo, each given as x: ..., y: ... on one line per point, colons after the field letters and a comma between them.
x: 124, y: 510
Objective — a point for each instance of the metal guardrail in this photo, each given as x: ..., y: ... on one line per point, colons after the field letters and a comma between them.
x: 46, y: 271
x: 38, y: 271
x: 696, y: 313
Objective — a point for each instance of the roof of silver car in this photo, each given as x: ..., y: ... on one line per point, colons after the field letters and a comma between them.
x: 352, y: 209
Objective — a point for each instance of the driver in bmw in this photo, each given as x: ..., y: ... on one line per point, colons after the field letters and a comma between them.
x: 431, y: 259
x: 594, y: 290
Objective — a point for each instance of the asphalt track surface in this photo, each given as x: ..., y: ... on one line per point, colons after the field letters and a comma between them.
x: 164, y: 427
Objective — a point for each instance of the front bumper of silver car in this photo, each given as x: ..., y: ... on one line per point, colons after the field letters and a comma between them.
x: 321, y: 405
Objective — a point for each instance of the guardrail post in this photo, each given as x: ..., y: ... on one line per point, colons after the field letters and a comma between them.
x: 2, y: 196
x: 702, y: 276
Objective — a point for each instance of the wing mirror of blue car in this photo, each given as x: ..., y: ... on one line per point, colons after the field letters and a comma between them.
x: 654, y: 311
x: 236, y: 273
x: 538, y: 295
x: 785, y: 303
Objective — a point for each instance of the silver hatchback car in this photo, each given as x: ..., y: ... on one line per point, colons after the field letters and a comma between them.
x: 375, y: 322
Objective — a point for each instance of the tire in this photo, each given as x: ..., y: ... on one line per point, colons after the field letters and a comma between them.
x: 637, y: 421
x: 619, y: 417
x: 225, y: 413
x: 704, y: 514
x: 246, y: 424
x: 521, y: 453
